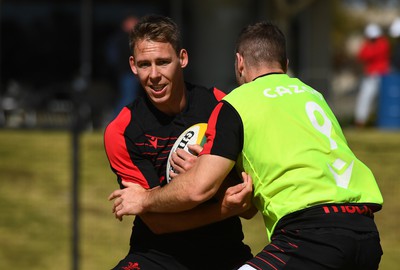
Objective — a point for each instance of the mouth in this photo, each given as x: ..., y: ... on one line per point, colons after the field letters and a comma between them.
x: 158, y: 88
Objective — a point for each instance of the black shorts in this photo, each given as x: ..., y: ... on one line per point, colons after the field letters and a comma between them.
x: 323, y: 247
x: 155, y: 260
x: 149, y: 260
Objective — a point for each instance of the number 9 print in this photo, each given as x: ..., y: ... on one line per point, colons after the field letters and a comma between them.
x: 343, y: 179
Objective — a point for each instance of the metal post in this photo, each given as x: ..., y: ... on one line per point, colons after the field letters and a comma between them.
x: 79, y: 87
x: 75, y: 196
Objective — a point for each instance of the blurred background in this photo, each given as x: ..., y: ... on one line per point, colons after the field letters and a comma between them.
x: 59, y: 89
x: 50, y: 50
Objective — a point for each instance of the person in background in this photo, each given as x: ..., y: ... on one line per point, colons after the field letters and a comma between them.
x: 117, y: 53
x: 394, y: 32
x: 374, y: 55
x: 138, y: 142
x: 317, y: 198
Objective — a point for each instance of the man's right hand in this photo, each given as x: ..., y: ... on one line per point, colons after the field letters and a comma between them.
x: 182, y: 161
x: 128, y: 201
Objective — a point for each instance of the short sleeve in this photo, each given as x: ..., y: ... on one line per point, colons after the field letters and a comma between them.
x: 224, y: 132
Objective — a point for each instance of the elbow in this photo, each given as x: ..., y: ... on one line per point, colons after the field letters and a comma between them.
x: 201, y: 187
x: 199, y: 194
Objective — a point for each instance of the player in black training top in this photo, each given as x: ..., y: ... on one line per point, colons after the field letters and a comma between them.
x: 138, y: 143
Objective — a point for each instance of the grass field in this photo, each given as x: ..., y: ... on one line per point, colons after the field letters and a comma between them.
x: 35, y: 200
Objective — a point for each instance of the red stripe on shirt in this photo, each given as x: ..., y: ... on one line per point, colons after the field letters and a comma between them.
x: 211, y: 129
x: 117, y: 152
x: 218, y: 94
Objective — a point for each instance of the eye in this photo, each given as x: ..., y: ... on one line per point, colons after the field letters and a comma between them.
x: 163, y: 62
x: 143, y: 64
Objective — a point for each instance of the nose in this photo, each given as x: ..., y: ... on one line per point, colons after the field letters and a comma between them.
x: 154, y: 73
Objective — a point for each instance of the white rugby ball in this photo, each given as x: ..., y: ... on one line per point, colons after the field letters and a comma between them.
x: 193, y: 135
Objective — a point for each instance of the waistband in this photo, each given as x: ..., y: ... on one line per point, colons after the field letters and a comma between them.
x: 358, y: 217
x: 348, y: 209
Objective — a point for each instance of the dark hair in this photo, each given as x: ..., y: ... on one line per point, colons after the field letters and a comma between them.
x: 156, y: 28
x: 261, y: 43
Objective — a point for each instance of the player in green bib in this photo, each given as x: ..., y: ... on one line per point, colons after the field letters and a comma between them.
x: 295, y: 151
x: 317, y: 198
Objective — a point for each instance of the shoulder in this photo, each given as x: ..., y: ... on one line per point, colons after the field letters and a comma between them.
x: 211, y: 92
x: 130, y: 118
x: 119, y: 123
x: 237, y: 93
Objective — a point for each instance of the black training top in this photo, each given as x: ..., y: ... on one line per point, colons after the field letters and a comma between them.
x: 138, y: 143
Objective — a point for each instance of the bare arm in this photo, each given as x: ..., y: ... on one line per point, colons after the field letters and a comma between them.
x: 235, y: 200
x: 185, y: 192
x: 160, y: 223
x: 229, y: 201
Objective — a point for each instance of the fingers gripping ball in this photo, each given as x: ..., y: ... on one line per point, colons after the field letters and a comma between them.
x: 193, y: 135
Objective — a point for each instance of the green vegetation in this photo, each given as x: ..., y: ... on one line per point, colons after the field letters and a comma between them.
x: 35, y: 200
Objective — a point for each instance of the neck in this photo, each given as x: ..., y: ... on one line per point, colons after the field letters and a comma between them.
x: 176, y: 104
x: 263, y: 72
x: 270, y: 73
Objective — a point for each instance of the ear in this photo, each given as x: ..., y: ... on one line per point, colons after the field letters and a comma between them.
x: 287, y: 66
x: 132, y: 64
x: 183, y: 58
x: 239, y: 64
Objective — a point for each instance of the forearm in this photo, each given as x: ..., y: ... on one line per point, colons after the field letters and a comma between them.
x: 229, y: 201
x: 185, y: 192
x: 173, y: 201
x: 189, y: 189
x: 202, y: 215
x: 172, y: 198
